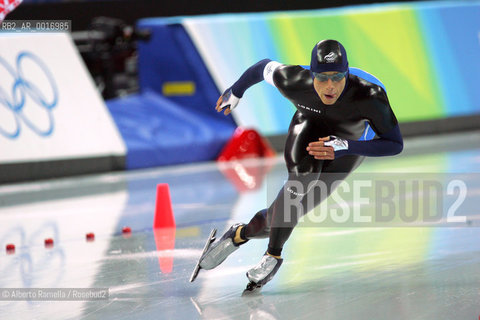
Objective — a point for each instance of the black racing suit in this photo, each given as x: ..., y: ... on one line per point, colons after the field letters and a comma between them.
x: 361, y: 102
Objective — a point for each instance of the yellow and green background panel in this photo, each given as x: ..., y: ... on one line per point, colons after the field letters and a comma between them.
x: 427, y: 54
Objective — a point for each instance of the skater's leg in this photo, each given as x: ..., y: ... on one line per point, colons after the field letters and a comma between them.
x: 303, y: 169
x: 257, y: 228
x: 285, y: 218
x: 259, y: 225
x: 333, y: 173
x: 286, y: 215
x: 287, y: 208
x: 281, y: 217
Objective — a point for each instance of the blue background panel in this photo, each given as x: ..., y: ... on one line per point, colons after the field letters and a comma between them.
x: 160, y: 132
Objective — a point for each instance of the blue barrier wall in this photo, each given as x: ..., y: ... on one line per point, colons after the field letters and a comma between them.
x: 160, y: 132
x: 171, y: 57
x: 173, y: 120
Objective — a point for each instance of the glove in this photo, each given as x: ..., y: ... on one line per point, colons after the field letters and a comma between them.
x: 337, y: 143
x: 229, y: 100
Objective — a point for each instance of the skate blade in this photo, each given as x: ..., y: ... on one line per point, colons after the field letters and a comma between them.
x: 210, y: 240
x: 252, y: 288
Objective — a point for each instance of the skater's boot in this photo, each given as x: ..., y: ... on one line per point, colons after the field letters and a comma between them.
x: 221, y: 249
x: 264, y: 271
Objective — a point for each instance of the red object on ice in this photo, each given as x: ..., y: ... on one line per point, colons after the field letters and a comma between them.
x: 244, y: 144
x: 164, y: 228
x: 244, y: 177
x: 90, y: 236
x: 10, y: 248
x: 127, y: 232
x: 49, y: 243
x: 163, y: 217
x: 165, y: 243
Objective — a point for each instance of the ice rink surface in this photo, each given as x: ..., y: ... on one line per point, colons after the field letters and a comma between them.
x: 418, y: 271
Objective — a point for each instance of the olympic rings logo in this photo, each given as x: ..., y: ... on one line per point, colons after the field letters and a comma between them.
x: 26, y: 90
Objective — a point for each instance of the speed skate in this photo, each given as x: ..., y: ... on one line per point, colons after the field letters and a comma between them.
x: 263, y: 272
x: 210, y: 240
x: 252, y: 288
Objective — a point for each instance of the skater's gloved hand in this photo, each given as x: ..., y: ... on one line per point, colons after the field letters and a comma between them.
x: 337, y: 143
x: 321, y: 150
x: 227, y: 102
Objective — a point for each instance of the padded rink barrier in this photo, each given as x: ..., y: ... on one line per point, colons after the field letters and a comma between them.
x: 173, y: 120
x: 170, y: 64
x: 160, y: 132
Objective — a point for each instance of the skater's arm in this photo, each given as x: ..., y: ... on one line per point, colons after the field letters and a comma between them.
x: 262, y: 70
x: 383, y: 121
x: 251, y: 76
x: 389, y: 144
x: 380, y: 116
x: 329, y: 148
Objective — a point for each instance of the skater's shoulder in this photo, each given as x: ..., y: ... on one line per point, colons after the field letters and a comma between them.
x: 366, y: 85
x: 292, y: 77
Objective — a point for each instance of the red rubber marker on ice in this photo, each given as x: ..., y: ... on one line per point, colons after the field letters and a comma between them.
x: 127, y: 232
x: 90, y: 236
x: 10, y: 248
x: 48, y: 243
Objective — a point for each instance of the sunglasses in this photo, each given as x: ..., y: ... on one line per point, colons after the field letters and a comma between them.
x: 336, y: 77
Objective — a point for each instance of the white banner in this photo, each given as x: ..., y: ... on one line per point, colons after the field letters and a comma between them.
x: 49, y: 106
